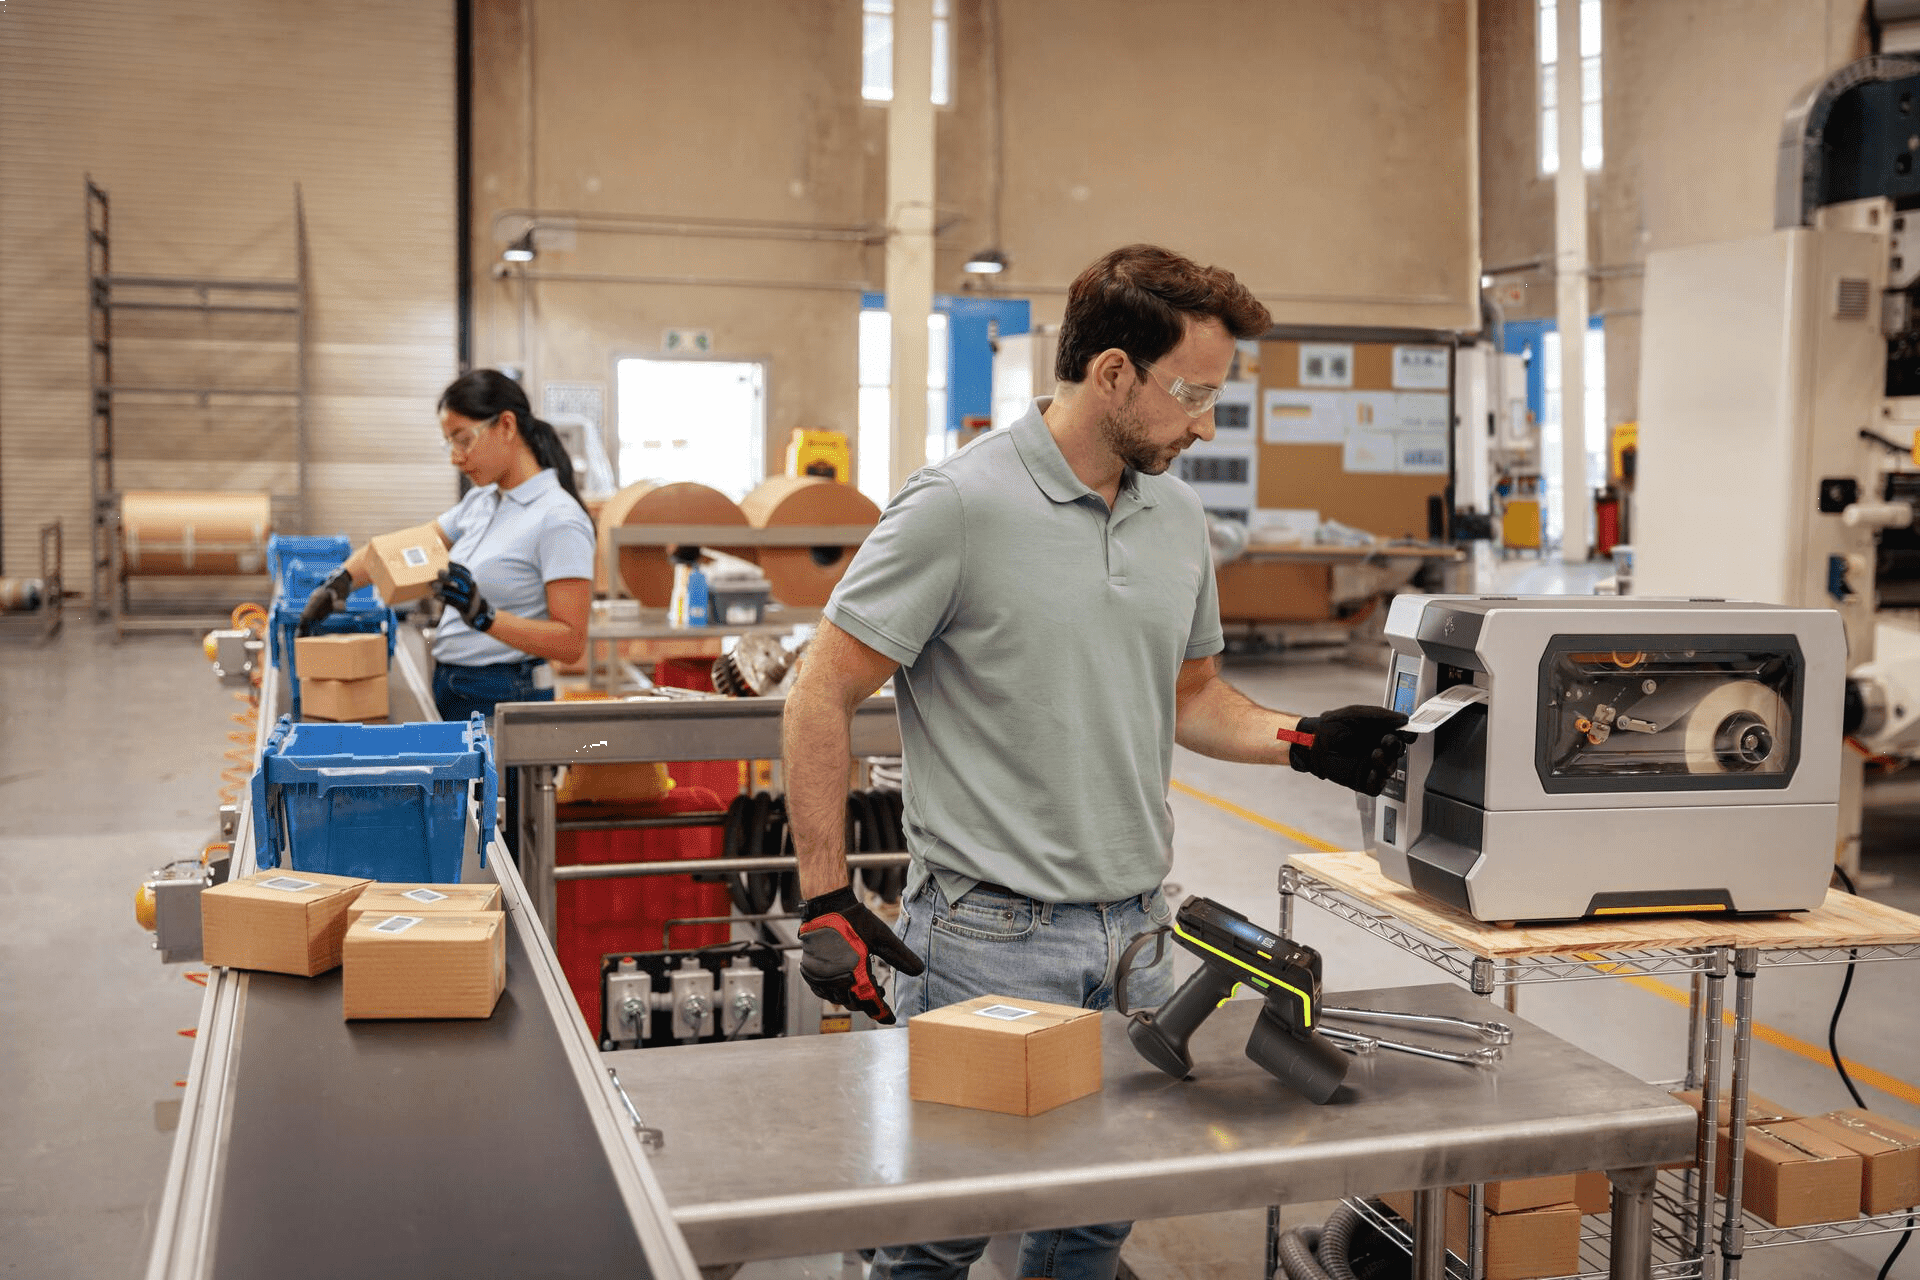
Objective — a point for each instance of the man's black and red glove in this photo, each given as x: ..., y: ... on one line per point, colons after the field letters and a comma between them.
x: 838, y: 939
x: 1358, y: 746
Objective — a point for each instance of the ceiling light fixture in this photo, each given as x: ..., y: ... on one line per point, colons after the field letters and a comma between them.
x: 987, y: 262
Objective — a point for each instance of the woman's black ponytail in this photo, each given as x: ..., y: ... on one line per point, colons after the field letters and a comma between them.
x: 487, y: 393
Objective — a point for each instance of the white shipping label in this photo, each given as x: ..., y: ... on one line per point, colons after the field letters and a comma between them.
x: 397, y: 924
x: 289, y: 884
x: 424, y: 895
x: 1005, y: 1012
x: 416, y: 557
x: 1442, y: 707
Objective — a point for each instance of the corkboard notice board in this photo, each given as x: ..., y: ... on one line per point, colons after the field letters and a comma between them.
x: 1313, y: 476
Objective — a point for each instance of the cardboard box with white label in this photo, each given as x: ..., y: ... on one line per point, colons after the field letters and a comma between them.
x: 425, y: 965
x: 996, y: 1053
x: 281, y: 921
x: 404, y: 564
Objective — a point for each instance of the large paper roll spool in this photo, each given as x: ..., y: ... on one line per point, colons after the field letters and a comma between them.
x: 648, y: 571
x: 200, y: 534
x: 803, y: 577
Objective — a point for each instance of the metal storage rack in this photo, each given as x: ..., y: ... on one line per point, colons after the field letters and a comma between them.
x: 109, y: 293
x: 1845, y: 929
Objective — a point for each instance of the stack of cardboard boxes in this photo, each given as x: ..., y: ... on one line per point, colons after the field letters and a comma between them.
x: 407, y: 950
x: 1825, y: 1168
x: 1530, y: 1226
x: 343, y: 677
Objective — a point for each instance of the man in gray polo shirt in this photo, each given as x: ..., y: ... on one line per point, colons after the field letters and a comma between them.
x: 1044, y: 602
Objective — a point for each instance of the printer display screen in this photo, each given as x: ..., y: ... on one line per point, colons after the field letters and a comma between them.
x: 1406, y: 678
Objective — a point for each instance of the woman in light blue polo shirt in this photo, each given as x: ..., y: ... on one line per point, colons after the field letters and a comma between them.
x: 520, y: 542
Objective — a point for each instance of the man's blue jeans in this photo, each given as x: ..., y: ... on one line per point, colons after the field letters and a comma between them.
x: 994, y: 943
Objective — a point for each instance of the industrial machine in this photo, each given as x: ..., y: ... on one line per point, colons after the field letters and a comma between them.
x: 1786, y: 368
x: 1592, y: 755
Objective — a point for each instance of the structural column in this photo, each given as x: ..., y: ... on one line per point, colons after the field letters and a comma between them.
x: 1570, y: 264
x: 910, y: 232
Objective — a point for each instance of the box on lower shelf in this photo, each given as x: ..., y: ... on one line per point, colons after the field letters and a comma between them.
x: 1524, y: 1244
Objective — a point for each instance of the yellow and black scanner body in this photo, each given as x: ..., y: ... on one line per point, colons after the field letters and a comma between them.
x: 1593, y: 756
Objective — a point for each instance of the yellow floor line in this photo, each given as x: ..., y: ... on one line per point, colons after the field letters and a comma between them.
x: 1861, y: 1073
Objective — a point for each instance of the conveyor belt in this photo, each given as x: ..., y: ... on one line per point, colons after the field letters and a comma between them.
x: 310, y: 1146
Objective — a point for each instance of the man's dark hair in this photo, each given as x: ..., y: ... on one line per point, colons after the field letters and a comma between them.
x: 1139, y: 298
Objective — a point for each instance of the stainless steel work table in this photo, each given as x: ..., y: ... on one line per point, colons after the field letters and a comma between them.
x: 798, y: 1147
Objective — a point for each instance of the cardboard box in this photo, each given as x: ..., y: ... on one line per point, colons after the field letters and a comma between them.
x: 360, y: 700
x: 1759, y: 1110
x: 341, y: 657
x: 1516, y: 1194
x: 420, y: 899
x: 280, y: 921
x: 1795, y: 1174
x: 1593, y: 1192
x: 425, y: 965
x: 996, y: 1053
x: 404, y: 564
x: 1889, y: 1152
x: 1523, y: 1245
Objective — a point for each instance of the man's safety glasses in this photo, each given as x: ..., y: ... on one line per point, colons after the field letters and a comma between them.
x: 1194, y: 397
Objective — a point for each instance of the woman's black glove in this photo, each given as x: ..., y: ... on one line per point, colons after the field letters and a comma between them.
x: 838, y: 938
x: 1358, y: 746
x: 455, y: 586
x: 327, y: 598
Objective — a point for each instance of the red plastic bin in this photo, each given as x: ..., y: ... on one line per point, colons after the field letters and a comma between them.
x: 595, y: 918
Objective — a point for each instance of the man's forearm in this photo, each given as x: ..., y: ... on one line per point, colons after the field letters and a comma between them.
x: 816, y: 756
x: 1218, y: 720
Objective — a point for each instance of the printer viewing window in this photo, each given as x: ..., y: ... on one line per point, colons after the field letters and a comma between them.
x: 1719, y: 713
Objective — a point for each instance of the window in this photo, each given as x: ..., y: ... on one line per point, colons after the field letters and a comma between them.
x: 1594, y: 413
x: 873, y: 470
x: 699, y: 420
x: 1591, y: 151
x: 876, y: 51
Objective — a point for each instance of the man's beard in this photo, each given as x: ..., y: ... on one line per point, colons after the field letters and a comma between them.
x: 1126, y: 435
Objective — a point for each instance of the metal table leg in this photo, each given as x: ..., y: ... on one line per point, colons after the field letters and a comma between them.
x: 537, y: 839
x: 1287, y: 875
x: 1430, y: 1234
x: 1476, y: 1231
x: 1733, y: 1231
x: 1630, y: 1250
x: 1273, y: 1242
x: 1716, y: 987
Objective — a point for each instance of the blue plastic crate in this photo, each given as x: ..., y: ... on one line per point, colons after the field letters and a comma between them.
x: 387, y: 802
x: 328, y: 548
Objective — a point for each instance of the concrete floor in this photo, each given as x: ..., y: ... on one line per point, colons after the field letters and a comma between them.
x: 109, y: 766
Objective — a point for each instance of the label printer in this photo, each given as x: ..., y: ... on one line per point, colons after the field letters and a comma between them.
x: 1595, y: 756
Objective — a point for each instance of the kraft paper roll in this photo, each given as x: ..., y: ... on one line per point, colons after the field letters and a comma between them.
x: 165, y: 534
x: 648, y: 571
x: 1751, y: 697
x: 803, y: 577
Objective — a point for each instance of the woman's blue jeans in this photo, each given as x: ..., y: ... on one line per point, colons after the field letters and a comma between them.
x: 994, y: 943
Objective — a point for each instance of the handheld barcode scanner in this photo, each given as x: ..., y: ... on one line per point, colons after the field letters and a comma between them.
x: 1233, y: 952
